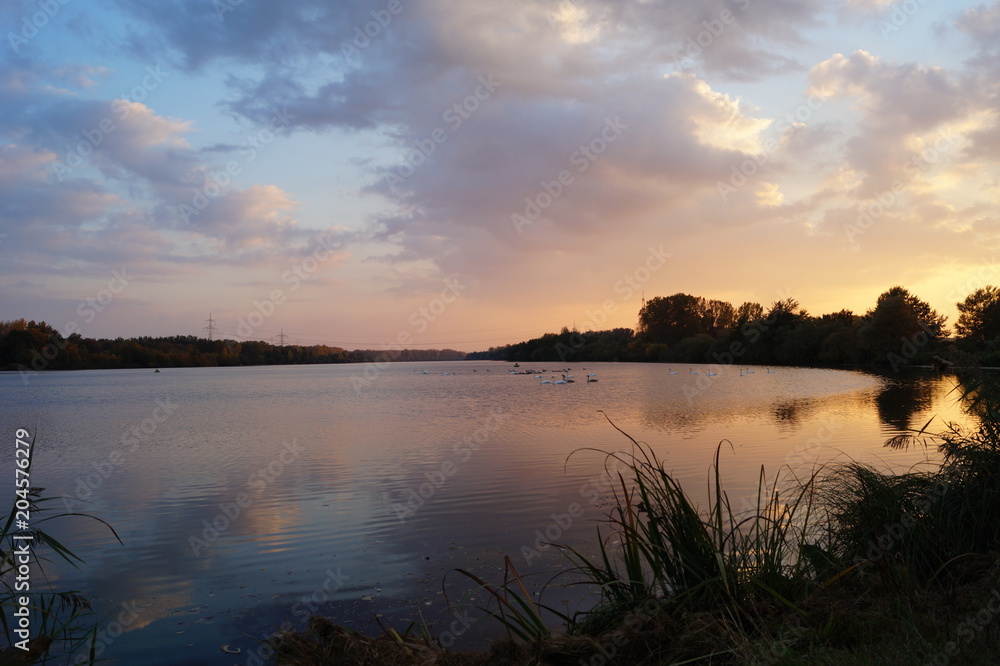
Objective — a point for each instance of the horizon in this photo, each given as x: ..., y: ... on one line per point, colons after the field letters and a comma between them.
x: 471, y: 175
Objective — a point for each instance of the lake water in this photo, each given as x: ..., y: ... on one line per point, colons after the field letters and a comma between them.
x: 248, y: 497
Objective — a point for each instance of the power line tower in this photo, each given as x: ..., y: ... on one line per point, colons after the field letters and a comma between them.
x: 211, y: 326
x: 281, y: 337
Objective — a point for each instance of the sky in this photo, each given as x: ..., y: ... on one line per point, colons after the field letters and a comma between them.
x: 465, y: 174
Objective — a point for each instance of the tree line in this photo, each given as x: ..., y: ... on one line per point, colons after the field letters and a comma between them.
x: 900, y: 329
x: 30, y: 346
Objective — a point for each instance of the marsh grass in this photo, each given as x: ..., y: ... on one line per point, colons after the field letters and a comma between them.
x: 61, y: 622
x: 516, y: 610
x: 716, y: 558
x: 917, y: 528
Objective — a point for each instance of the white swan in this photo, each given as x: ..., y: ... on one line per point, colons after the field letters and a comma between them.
x: 712, y: 374
x: 693, y: 372
x: 673, y: 372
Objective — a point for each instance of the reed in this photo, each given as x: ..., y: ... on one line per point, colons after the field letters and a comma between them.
x: 693, y: 559
x: 62, y: 622
x: 918, y: 527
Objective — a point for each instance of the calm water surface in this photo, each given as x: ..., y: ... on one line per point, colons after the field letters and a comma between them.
x: 248, y: 497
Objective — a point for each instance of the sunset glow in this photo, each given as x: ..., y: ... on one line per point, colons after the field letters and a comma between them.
x: 467, y: 174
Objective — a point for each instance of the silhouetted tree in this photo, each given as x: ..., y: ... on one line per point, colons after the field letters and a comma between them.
x: 932, y: 323
x: 748, y: 312
x: 979, y: 315
x: 719, y: 317
x: 668, y: 320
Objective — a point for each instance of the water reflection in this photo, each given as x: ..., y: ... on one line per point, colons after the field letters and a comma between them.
x: 901, y: 399
x: 336, y: 506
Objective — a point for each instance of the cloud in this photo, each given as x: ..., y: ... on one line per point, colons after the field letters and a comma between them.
x: 902, y: 106
x: 982, y: 25
x: 606, y: 126
x: 88, y: 173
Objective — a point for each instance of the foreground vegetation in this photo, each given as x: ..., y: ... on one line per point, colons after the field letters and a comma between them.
x: 845, y: 565
x: 60, y: 622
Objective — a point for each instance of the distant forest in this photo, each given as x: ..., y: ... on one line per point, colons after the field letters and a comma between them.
x: 900, y: 329
x: 30, y: 346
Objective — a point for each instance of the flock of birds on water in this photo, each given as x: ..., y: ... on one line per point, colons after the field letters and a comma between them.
x: 592, y: 376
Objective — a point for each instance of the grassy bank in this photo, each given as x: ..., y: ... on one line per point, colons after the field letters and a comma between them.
x: 849, y: 565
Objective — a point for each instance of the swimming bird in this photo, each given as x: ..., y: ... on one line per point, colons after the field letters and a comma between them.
x: 672, y: 372
x: 712, y: 374
x: 693, y: 372
x: 770, y: 371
